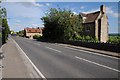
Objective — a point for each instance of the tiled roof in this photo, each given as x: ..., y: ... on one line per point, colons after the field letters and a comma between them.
x: 90, y: 17
x: 33, y: 30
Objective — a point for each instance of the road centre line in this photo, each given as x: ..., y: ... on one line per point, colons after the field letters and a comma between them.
x: 95, y: 53
x: 54, y: 49
x: 38, y: 71
x: 97, y: 64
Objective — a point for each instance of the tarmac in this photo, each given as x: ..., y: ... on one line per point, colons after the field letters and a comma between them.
x: 15, y: 63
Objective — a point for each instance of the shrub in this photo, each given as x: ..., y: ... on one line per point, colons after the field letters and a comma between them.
x: 87, y: 38
x: 114, y: 39
x: 36, y: 36
x: 78, y: 38
x: 40, y: 38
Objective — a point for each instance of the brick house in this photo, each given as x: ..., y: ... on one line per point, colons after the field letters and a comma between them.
x: 30, y: 32
x: 96, y: 24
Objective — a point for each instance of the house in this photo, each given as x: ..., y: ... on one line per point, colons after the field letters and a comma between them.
x: 30, y: 32
x: 96, y: 24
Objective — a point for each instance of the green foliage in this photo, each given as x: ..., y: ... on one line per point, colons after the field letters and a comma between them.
x: 12, y: 32
x: 84, y: 38
x: 114, y: 39
x: 78, y: 38
x: 5, y: 30
x: 21, y: 33
x: 36, y: 36
x: 87, y: 38
x: 61, y: 24
x: 4, y: 24
x: 40, y: 38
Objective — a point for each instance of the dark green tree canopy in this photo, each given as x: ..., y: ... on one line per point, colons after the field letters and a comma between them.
x: 61, y: 24
x: 4, y: 24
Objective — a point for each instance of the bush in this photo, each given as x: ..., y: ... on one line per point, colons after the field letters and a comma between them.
x: 36, y: 36
x: 114, y: 39
x: 87, y: 38
x: 40, y: 38
x: 78, y: 37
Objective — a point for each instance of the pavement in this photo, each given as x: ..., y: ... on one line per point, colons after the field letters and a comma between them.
x: 0, y: 65
x: 56, y: 61
x: 15, y: 64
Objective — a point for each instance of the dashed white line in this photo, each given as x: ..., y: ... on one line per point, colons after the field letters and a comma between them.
x: 54, y: 49
x: 38, y: 71
x: 97, y: 64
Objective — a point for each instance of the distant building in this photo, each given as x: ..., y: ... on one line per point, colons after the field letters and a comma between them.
x: 96, y: 24
x: 30, y: 32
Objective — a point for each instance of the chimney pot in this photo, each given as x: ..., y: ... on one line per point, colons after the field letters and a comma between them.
x: 103, y: 8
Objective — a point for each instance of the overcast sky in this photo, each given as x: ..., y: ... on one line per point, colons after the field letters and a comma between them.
x: 27, y: 14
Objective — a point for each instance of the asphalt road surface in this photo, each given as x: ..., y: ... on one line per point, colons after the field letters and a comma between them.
x: 55, y: 61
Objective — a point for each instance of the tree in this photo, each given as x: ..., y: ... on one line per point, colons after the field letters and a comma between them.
x: 4, y: 23
x: 61, y: 24
x: 21, y: 33
x: 0, y: 25
x: 5, y: 30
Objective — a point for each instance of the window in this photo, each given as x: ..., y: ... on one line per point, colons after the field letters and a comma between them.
x: 87, y: 29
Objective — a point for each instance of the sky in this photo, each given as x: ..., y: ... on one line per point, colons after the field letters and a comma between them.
x: 28, y: 14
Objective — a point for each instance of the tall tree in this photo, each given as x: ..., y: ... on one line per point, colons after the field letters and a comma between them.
x: 0, y: 25
x: 4, y: 23
x: 61, y: 24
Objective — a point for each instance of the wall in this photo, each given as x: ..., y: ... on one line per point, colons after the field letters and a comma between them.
x: 104, y: 29
x: 100, y: 46
x: 30, y: 35
x: 91, y: 31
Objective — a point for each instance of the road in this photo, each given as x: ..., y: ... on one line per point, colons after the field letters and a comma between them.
x: 55, y: 61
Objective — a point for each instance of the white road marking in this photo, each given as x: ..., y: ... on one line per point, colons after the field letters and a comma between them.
x: 88, y: 52
x: 54, y: 49
x: 38, y: 71
x: 97, y: 64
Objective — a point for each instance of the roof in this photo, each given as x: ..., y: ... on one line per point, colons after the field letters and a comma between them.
x: 90, y: 17
x: 33, y: 30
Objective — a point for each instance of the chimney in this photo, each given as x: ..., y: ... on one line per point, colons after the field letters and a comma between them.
x: 38, y: 28
x: 103, y: 8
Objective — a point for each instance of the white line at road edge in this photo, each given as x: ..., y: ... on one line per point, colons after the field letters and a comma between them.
x: 54, y: 49
x: 97, y: 64
x: 89, y: 52
x: 1, y: 64
x: 38, y: 71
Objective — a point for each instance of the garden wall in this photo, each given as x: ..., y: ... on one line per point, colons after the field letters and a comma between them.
x: 95, y: 45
